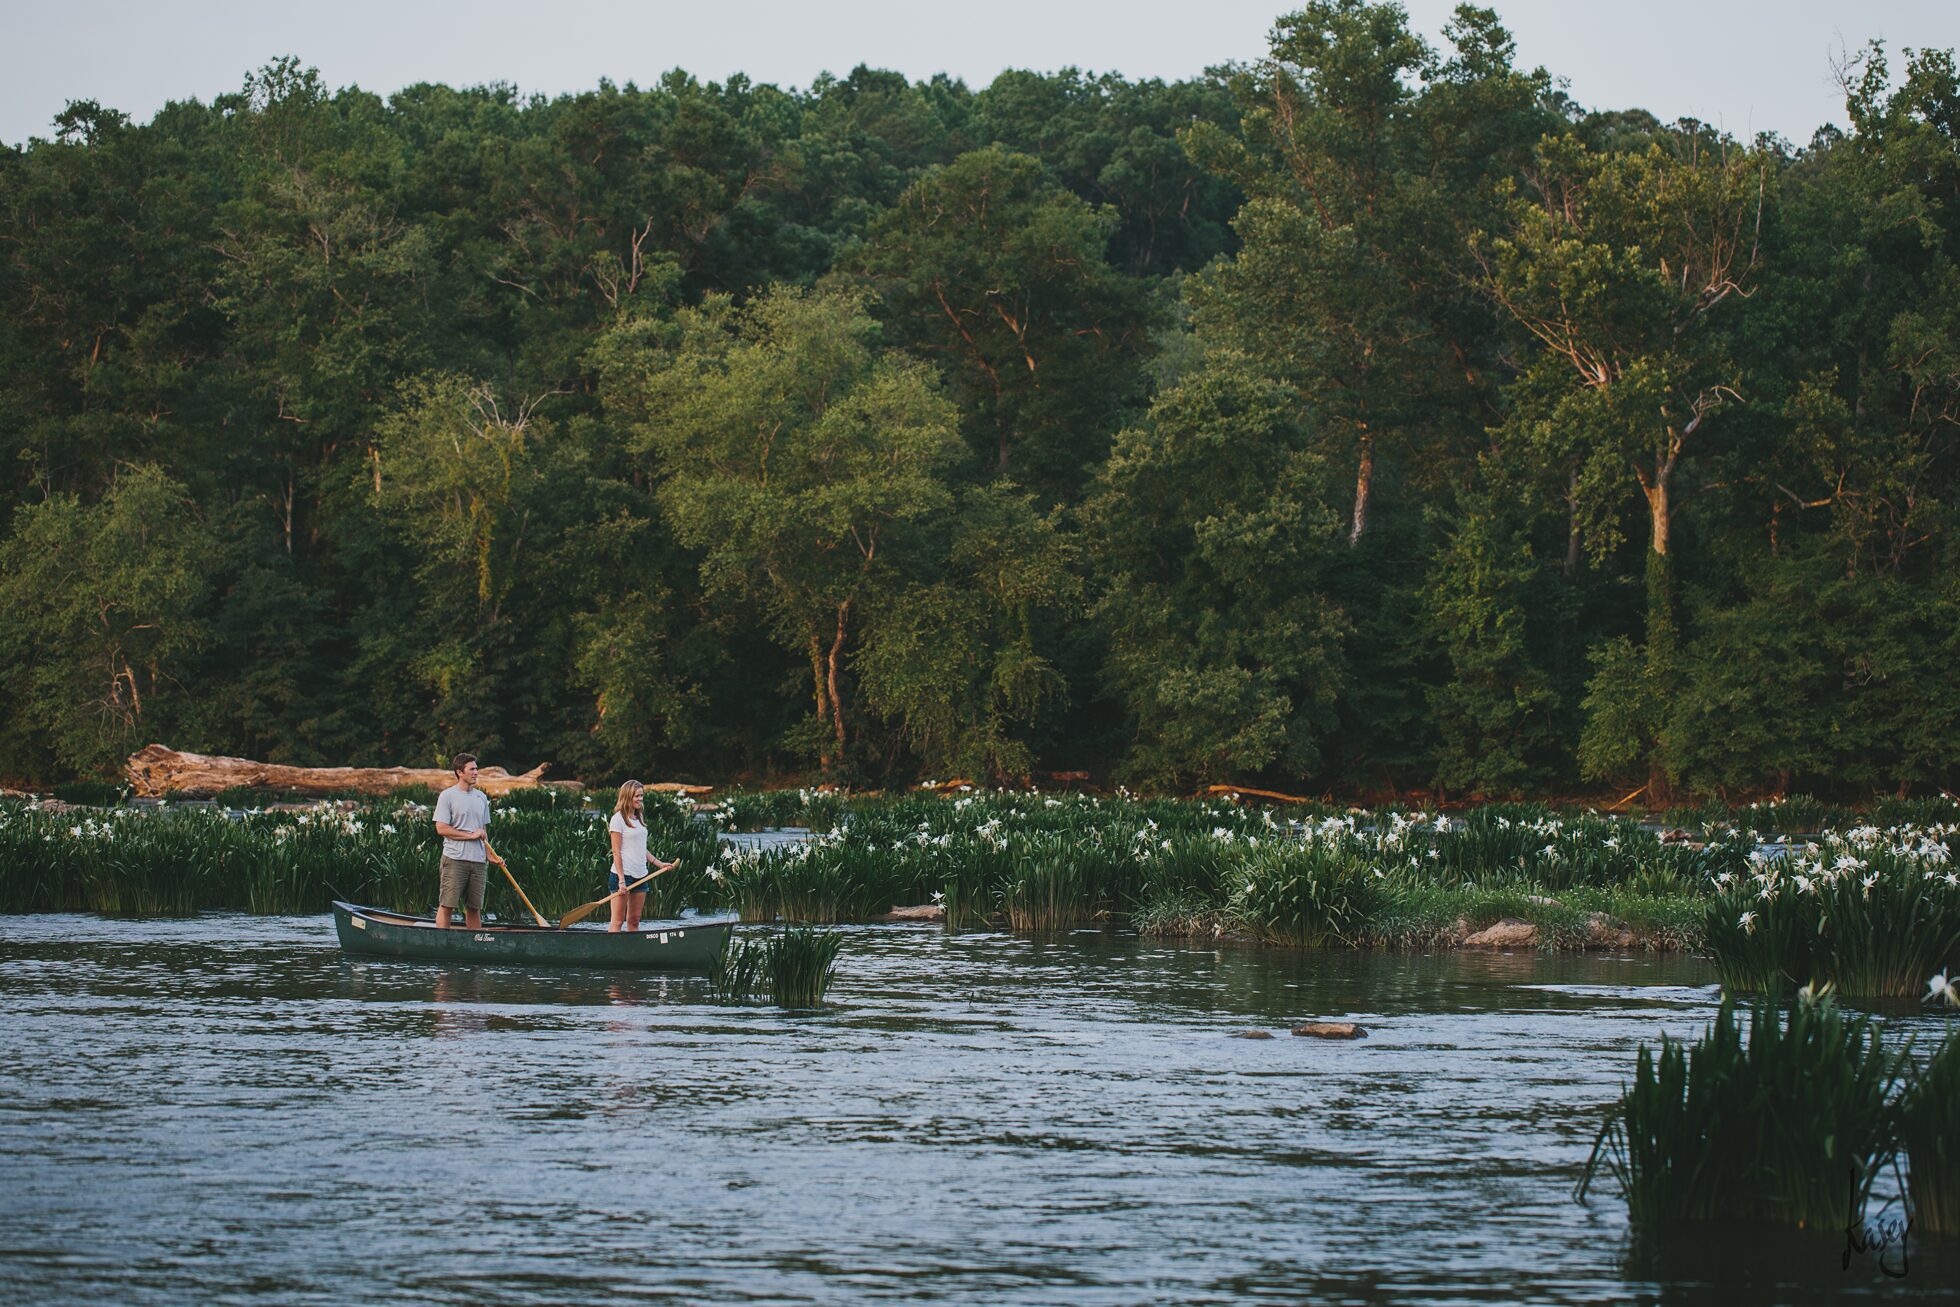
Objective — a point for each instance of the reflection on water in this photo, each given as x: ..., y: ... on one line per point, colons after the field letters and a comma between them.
x: 222, y: 1109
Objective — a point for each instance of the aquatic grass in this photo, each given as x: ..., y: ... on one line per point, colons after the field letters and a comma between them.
x: 795, y: 965
x: 1057, y: 882
x: 548, y: 798
x: 1311, y: 894
x: 832, y: 878
x: 1871, y: 912
x: 1045, y: 862
x: 1180, y: 917
x: 801, y: 963
x: 736, y: 972
x: 1929, y: 1136
x: 1789, y: 1125
x: 754, y: 810
x: 1932, y: 810
x: 100, y: 794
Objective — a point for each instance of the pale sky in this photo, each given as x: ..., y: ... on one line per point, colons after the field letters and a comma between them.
x: 1747, y: 65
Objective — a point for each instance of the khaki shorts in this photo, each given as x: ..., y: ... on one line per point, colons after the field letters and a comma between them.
x: 462, y: 884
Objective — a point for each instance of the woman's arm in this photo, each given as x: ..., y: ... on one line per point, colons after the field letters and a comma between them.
x: 617, y: 869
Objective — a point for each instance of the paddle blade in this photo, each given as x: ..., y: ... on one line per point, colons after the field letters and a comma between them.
x: 581, y: 913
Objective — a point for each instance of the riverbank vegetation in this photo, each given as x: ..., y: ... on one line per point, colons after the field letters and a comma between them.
x: 1767, y: 909
x: 1368, y: 415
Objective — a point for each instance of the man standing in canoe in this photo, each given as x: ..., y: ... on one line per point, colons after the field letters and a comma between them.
x: 463, y: 821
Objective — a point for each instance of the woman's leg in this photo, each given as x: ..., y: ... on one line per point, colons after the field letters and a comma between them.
x: 618, y: 904
x: 635, y: 904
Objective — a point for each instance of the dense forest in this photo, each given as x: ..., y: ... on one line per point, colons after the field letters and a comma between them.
x: 1364, y: 416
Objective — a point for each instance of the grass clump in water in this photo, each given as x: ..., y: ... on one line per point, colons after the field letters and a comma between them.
x: 736, y: 973
x: 1929, y: 1136
x: 1789, y: 1125
x: 795, y: 965
x: 801, y: 964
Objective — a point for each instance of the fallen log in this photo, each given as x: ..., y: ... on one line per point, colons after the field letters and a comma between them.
x: 1241, y: 791
x: 155, y: 771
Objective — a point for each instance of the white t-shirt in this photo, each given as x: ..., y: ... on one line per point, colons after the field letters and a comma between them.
x: 632, y: 846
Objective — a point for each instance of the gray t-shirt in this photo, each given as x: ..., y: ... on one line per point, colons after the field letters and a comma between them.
x: 465, y: 810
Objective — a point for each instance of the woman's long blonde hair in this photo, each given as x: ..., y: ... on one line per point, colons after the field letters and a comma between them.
x: 624, y: 807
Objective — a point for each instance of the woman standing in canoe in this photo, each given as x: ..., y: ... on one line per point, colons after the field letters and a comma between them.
x: 629, y: 857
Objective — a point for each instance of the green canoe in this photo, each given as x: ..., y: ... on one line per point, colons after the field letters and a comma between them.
x: 686, y: 944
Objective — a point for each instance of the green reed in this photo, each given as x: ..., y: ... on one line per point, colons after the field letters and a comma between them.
x: 737, y: 971
x: 801, y: 964
x: 1872, y: 913
x: 1313, y: 894
x: 795, y: 965
x: 1790, y: 1124
x: 1929, y: 1136
x: 1057, y: 881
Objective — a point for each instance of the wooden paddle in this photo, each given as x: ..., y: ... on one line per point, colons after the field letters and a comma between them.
x: 492, y: 855
x: 581, y: 913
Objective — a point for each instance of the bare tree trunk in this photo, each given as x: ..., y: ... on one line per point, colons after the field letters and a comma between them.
x: 1364, y: 480
x: 836, y: 659
x: 817, y: 690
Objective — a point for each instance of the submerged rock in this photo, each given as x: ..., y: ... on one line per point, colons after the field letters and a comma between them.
x: 1252, y: 1034
x: 1508, y: 933
x: 1331, y: 1030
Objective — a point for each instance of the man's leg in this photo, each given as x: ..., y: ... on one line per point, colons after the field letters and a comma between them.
x: 449, y: 892
x: 473, y: 913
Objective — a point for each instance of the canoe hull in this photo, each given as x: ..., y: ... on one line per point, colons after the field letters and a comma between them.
x: 685, y: 945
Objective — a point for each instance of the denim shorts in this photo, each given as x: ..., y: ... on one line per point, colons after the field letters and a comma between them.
x: 614, y: 884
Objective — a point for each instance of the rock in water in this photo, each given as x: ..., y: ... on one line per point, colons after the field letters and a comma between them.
x: 1253, y: 1034
x: 1331, y: 1030
x: 923, y: 912
x: 1508, y: 933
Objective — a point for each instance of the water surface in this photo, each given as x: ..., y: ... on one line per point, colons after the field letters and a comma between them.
x: 223, y: 1110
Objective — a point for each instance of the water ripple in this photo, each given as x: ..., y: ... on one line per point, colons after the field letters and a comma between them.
x: 222, y: 1109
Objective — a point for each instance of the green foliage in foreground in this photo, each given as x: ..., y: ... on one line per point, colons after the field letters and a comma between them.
x: 1790, y: 1124
x: 1929, y: 1135
x: 795, y: 965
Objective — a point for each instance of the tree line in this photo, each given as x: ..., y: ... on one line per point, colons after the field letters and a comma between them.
x: 1365, y: 415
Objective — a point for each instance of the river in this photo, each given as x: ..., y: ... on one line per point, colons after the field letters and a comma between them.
x: 223, y: 1110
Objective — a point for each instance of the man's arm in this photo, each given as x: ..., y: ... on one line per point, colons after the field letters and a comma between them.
x: 448, y: 832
